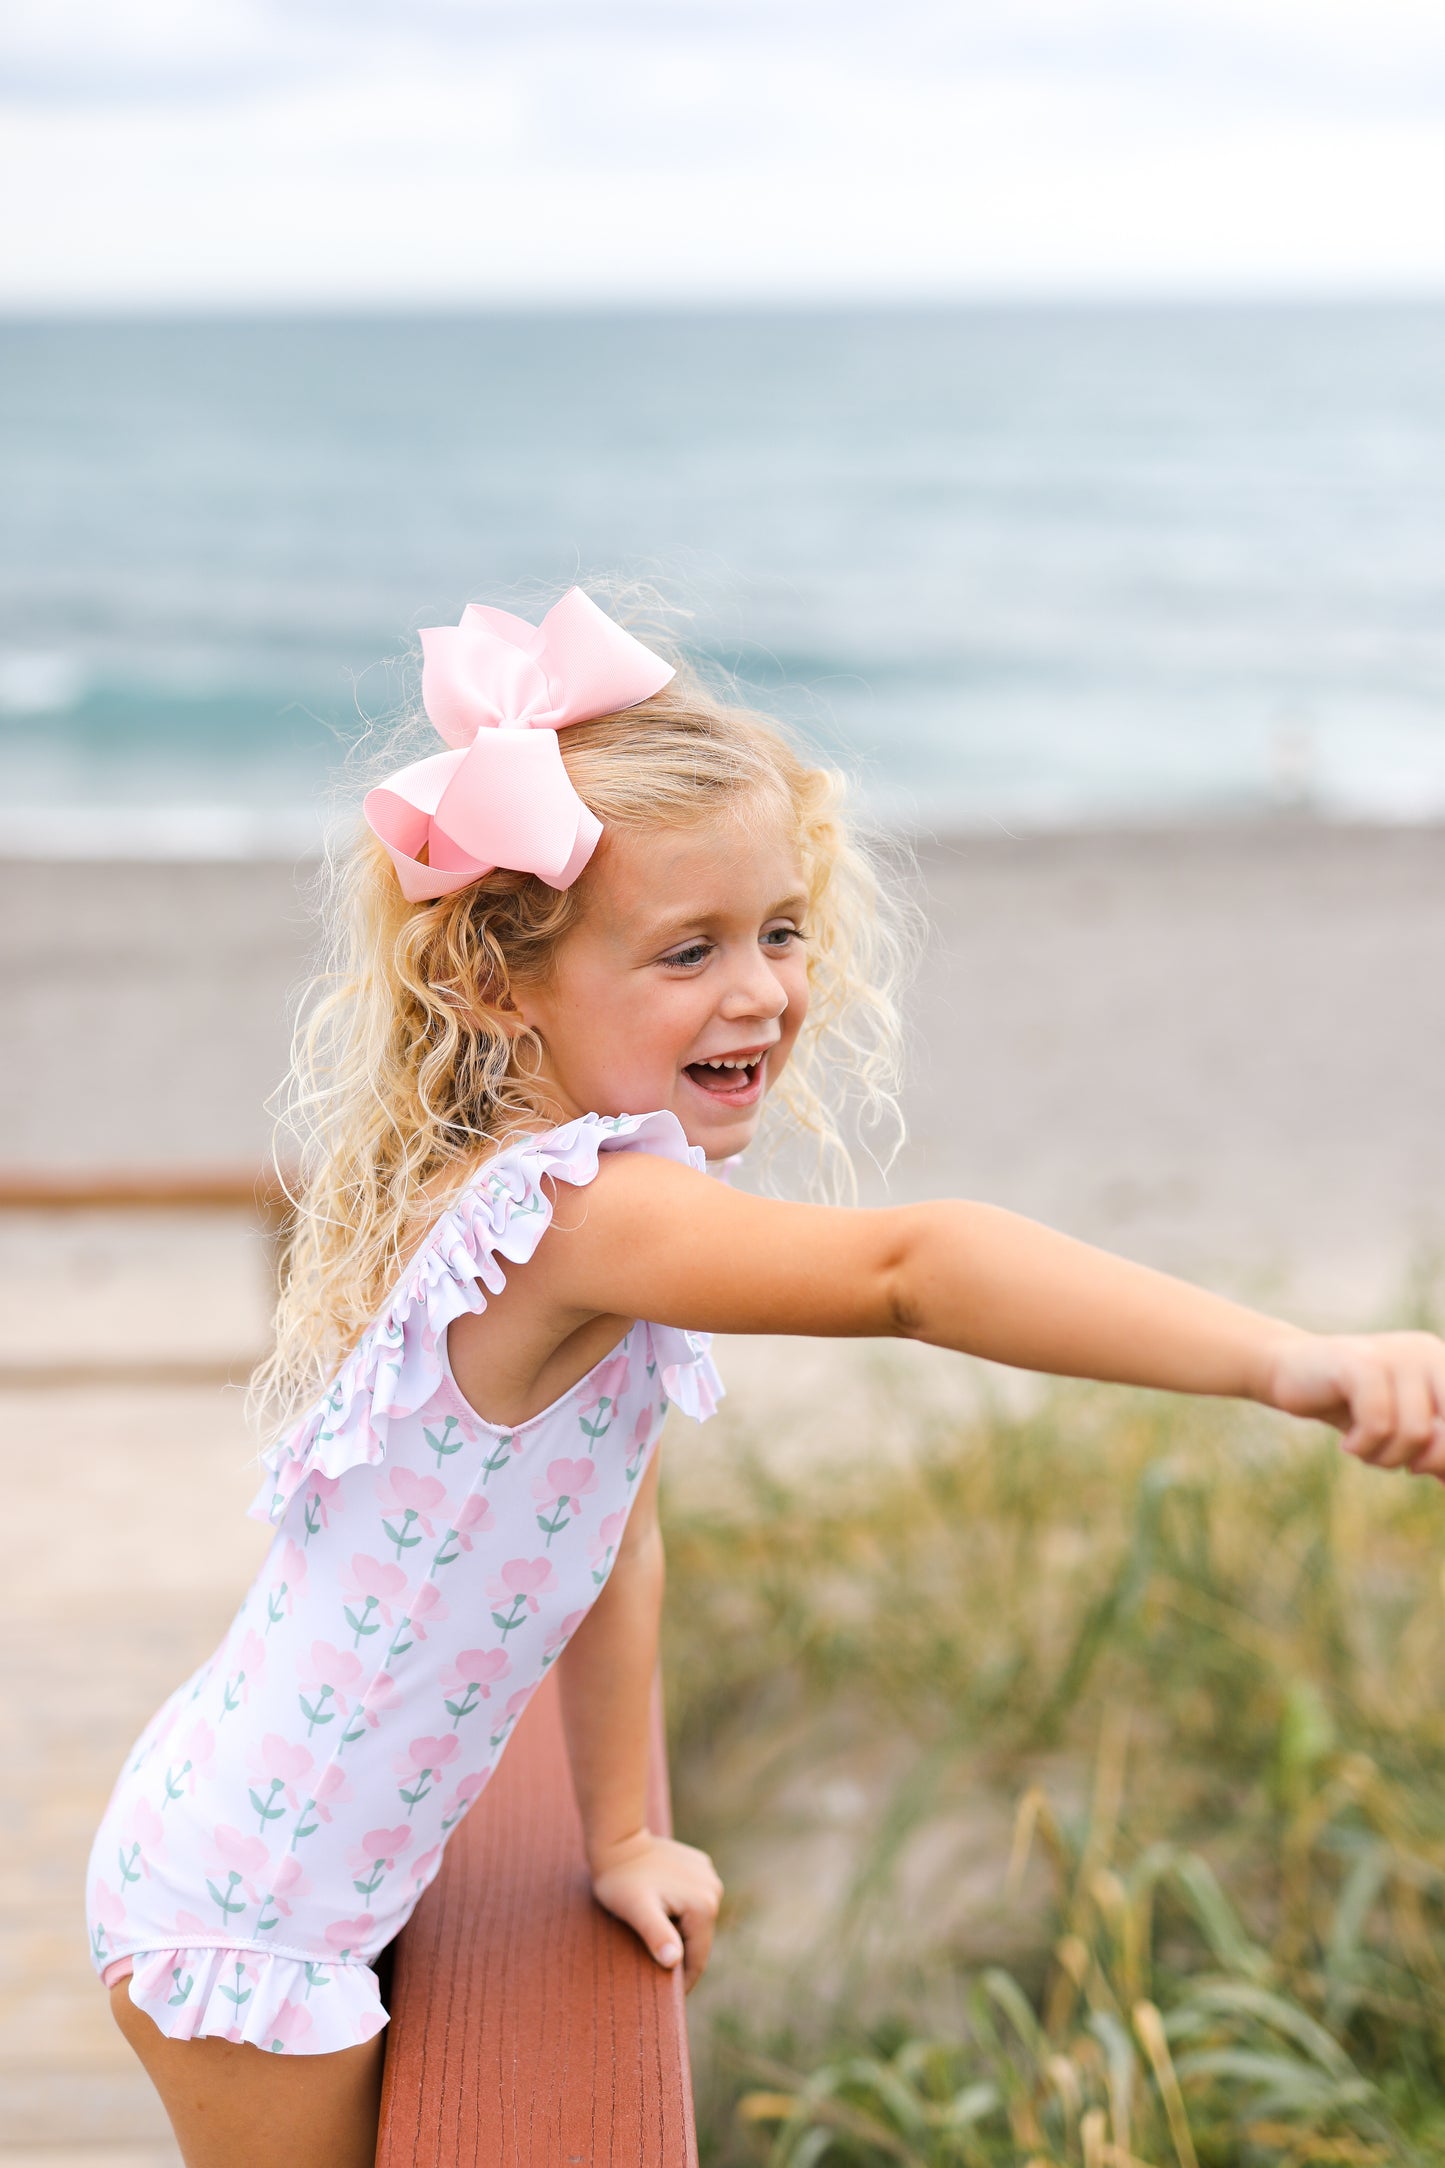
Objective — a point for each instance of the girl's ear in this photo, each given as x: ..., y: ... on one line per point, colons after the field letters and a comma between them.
x: 509, y: 1013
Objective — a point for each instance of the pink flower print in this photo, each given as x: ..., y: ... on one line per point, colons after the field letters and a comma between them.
x: 603, y: 1547
x: 518, y: 1585
x: 407, y: 1504
x: 641, y: 1439
x: 372, y: 1587
x: 380, y: 1693
x: 473, y: 1514
x: 515, y: 1705
x: 424, y: 1761
x: 333, y: 1789
x: 329, y: 1673
x: 424, y: 1868
x: 462, y: 1798
x: 344, y: 1936
x: 279, y: 1766
x: 196, y: 1754
x: 426, y: 1608
x: 375, y: 1857
x: 560, y: 1492
x: 290, y: 1582
x: 187, y: 1923
x: 287, y: 1881
x: 250, y: 1661
x: 240, y: 1859
x: 471, y: 1679
x: 108, y: 1911
x: 320, y: 1490
x: 599, y: 1405
x: 561, y: 1635
x: 288, y: 2028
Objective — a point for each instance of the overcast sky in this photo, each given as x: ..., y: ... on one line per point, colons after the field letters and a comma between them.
x: 322, y: 151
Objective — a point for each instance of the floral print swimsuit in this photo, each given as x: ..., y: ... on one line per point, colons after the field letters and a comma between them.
x: 282, y: 1813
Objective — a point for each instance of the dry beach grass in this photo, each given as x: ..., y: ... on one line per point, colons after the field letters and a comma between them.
x: 1077, y: 1780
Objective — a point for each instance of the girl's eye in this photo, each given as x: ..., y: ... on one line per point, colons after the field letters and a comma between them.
x: 688, y: 958
x: 778, y: 938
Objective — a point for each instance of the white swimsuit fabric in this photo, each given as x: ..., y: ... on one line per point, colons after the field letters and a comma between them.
x: 281, y: 1815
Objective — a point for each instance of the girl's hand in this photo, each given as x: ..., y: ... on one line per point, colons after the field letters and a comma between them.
x: 654, y: 1882
x: 1384, y: 1390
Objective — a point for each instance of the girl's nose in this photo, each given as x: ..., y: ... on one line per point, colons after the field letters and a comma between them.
x: 755, y: 991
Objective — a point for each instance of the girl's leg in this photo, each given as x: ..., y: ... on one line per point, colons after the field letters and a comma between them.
x: 230, y: 2103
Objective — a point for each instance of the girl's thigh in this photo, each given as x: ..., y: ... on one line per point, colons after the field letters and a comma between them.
x: 229, y: 2102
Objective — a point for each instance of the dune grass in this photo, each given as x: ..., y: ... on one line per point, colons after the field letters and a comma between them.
x: 1142, y: 1856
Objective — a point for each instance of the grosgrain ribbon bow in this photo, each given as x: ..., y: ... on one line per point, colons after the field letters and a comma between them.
x: 498, y: 691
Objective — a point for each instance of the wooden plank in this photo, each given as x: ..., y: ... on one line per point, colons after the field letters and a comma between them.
x: 529, y: 2029
x: 91, y: 1189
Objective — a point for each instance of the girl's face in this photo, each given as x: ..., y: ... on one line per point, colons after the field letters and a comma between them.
x: 689, y: 955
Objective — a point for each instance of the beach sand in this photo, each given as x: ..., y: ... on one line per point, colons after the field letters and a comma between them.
x: 1219, y: 1050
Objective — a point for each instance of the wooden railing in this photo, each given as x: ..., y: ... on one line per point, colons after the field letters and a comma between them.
x: 529, y: 2029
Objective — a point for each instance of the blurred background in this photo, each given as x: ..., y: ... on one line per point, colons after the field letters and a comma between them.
x: 1045, y: 412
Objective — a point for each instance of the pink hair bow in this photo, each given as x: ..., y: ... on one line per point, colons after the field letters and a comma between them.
x: 498, y: 691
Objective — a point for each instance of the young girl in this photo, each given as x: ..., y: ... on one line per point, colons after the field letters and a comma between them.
x: 580, y: 949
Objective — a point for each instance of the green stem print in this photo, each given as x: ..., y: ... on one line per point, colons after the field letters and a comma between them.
x: 129, y: 1863
x: 402, y: 1537
x: 562, y: 1512
x: 506, y: 1621
x: 237, y: 1994
x: 445, y: 1556
x: 267, y: 1807
x: 276, y: 1606
x: 399, y: 1645
x: 312, y: 1515
x: 598, y: 1426
x: 446, y: 1443
x: 498, y: 1458
x: 99, y: 1946
x: 374, y: 1880
x: 464, y: 1707
x: 316, y: 1976
x: 231, y: 1696
x: 304, y: 1827
x: 226, y: 1898
x: 173, y: 1782
x: 182, y: 1987
x: 320, y: 1714
x: 265, y: 1920
x: 366, y: 1624
x: 421, y: 1788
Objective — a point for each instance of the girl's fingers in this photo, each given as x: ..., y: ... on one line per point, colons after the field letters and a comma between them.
x: 1414, y: 1416
x: 1371, y: 1399
x: 696, y: 1920
x: 1432, y: 1460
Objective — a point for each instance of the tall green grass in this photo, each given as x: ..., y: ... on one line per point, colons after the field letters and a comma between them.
x: 1134, y: 1710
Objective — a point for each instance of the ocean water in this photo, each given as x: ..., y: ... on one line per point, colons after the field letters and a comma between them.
x: 1016, y: 566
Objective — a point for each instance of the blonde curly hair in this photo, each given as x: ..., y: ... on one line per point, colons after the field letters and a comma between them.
x: 399, y: 1087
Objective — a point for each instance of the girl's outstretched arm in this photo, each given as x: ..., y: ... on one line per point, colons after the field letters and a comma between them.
x: 652, y: 1239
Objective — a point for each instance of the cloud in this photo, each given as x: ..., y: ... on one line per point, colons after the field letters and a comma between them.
x: 444, y: 150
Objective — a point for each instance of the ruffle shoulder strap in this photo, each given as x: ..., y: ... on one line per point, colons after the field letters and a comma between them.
x: 397, y: 1365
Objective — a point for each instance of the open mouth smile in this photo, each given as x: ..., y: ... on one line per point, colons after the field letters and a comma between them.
x: 730, y: 1080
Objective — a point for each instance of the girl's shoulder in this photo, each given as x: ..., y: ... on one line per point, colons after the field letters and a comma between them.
x: 495, y: 1218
